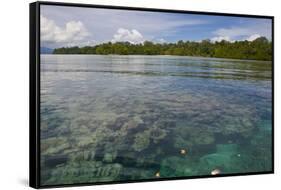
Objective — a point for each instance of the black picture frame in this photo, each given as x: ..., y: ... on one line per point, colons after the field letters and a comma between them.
x: 34, y: 90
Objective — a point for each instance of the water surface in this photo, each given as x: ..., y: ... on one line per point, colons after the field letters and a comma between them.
x: 116, y: 118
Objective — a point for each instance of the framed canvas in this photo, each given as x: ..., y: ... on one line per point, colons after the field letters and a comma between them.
x: 123, y: 94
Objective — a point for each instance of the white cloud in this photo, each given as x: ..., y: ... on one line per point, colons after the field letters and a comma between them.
x: 125, y: 35
x: 220, y: 38
x: 233, y: 32
x: 72, y: 32
x: 161, y: 40
x: 227, y: 38
x: 81, y: 43
x: 253, y: 37
x: 237, y: 33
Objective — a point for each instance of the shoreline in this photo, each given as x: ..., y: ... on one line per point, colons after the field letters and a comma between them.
x: 178, y: 56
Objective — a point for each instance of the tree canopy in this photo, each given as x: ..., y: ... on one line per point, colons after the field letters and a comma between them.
x: 259, y: 49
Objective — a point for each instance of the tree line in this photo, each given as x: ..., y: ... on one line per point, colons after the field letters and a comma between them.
x: 259, y: 49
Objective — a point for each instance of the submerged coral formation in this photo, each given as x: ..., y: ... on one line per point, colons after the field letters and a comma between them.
x: 141, y: 141
x: 83, y: 172
x: 177, y: 166
x: 224, y: 158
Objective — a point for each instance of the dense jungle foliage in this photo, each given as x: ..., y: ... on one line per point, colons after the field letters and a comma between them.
x: 259, y: 49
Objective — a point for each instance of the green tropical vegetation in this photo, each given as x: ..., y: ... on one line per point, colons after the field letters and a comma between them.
x: 259, y: 49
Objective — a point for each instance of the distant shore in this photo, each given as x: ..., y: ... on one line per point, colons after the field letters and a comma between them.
x: 178, y: 56
x: 259, y: 49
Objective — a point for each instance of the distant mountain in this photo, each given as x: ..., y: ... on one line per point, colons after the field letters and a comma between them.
x: 45, y: 50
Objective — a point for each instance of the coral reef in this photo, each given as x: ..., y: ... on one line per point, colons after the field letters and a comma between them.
x: 176, y: 166
x: 82, y: 172
x: 157, y: 134
x: 187, y: 136
x: 142, y: 141
x: 133, y: 123
x: 54, y: 145
x: 109, y: 157
x: 225, y: 158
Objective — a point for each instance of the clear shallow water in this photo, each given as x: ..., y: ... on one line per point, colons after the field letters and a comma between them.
x: 114, y: 118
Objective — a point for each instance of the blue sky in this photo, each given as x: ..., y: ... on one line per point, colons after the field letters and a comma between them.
x: 71, y: 26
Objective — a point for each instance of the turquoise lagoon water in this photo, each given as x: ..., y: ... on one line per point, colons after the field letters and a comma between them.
x: 120, y: 118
